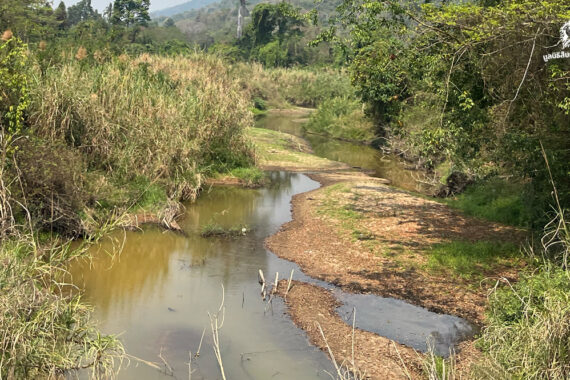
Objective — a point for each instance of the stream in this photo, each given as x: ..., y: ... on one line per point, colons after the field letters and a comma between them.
x: 157, y: 294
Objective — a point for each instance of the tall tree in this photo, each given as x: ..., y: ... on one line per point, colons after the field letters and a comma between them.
x: 130, y: 12
x: 28, y: 19
x: 60, y: 15
x: 81, y: 11
x: 242, y: 12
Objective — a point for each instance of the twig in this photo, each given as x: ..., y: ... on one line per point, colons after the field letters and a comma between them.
x: 274, y: 290
x: 215, y: 325
x: 189, y: 365
x: 524, y: 76
x: 404, y: 367
x: 167, y: 366
x: 289, y: 283
x: 200, y: 345
x: 146, y: 362
x: 338, y: 371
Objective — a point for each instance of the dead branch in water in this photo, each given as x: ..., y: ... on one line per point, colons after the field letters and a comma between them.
x: 216, y: 325
x: 262, y: 282
x: 167, y: 368
x: 289, y: 284
x: 344, y: 371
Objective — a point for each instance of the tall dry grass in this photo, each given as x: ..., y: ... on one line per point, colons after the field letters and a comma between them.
x: 162, y: 118
x: 45, y: 331
x: 282, y: 87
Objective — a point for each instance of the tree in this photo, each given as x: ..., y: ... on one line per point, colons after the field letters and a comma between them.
x: 273, y: 34
x: 130, y: 12
x: 466, y: 82
x: 82, y: 11
x: 169, y: 23
x: 60, y: 15
x: 31, y: 20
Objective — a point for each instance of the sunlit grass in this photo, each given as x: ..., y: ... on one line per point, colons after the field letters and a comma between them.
x: 469, y: 259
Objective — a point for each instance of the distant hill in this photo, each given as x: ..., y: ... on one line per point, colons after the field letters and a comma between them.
x: 190, y: 5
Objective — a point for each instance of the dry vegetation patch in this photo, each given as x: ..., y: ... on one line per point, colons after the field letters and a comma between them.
x: 367, y: 237
x: 282, y: 151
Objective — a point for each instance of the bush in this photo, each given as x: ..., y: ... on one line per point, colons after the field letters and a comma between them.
x: 343, y: 118
x: 296, y: 86
x: 167, y: 118
x: 46, y: 333
x: 499, y: 201
x: 529, y: 327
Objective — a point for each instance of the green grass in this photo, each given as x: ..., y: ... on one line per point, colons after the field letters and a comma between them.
x: 497, y: 201
x: 47, y: 330
x: 214, y: 229
x: 528, y: 331
x: 471, y: 259
x: 251, y: 176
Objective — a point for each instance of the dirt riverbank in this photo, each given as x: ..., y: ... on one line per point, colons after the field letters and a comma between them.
x: 367, y: 237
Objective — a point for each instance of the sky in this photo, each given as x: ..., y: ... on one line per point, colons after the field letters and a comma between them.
x: 100, y: 5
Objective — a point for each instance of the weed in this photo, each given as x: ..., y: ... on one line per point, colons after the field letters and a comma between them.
x: 496, y: 200
x: 213, y: 229
x: 46, y: 331
x: 251, y: 176
x: 341, y: 118
x: 468, y: 259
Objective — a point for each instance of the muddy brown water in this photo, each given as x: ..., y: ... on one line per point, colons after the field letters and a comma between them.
x: 156, y: 294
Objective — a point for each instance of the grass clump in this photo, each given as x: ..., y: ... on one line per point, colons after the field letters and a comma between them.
x: 468, y: 259
x: 283, y: 87
x: 496, y: 200
x: 251, y: 176
x: 528, y: 331
x: 130, y: 134
x: 342, y: 118
x: 528, y: 335
x: 46, y: 332
x: 214, y: 229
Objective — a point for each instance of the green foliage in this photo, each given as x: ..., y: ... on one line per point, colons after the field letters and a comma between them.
x: 465, y: 83
x: 272, y: 37
x: 46, y: 331
x: 193, y: 119
x: 249, y: 176
x: 213, y: 229
x: 82, y: 11
x: 215, y: 24
x: 499, y: 201
x: 259, y: 104
x: 60, y: 15
x: 528, y: 335
x: 27, y: 19
x: 14, y: 98
x: 130, y: 12
x: 468, y: 259
x: 342, y: 118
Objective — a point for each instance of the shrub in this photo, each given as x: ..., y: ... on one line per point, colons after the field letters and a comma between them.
x: 529, y: 327
x: 167, y: 118
x: 343, y: 118
x: 46, y: 333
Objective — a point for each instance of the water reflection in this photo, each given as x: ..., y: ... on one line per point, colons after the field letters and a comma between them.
x: 158, y: 291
